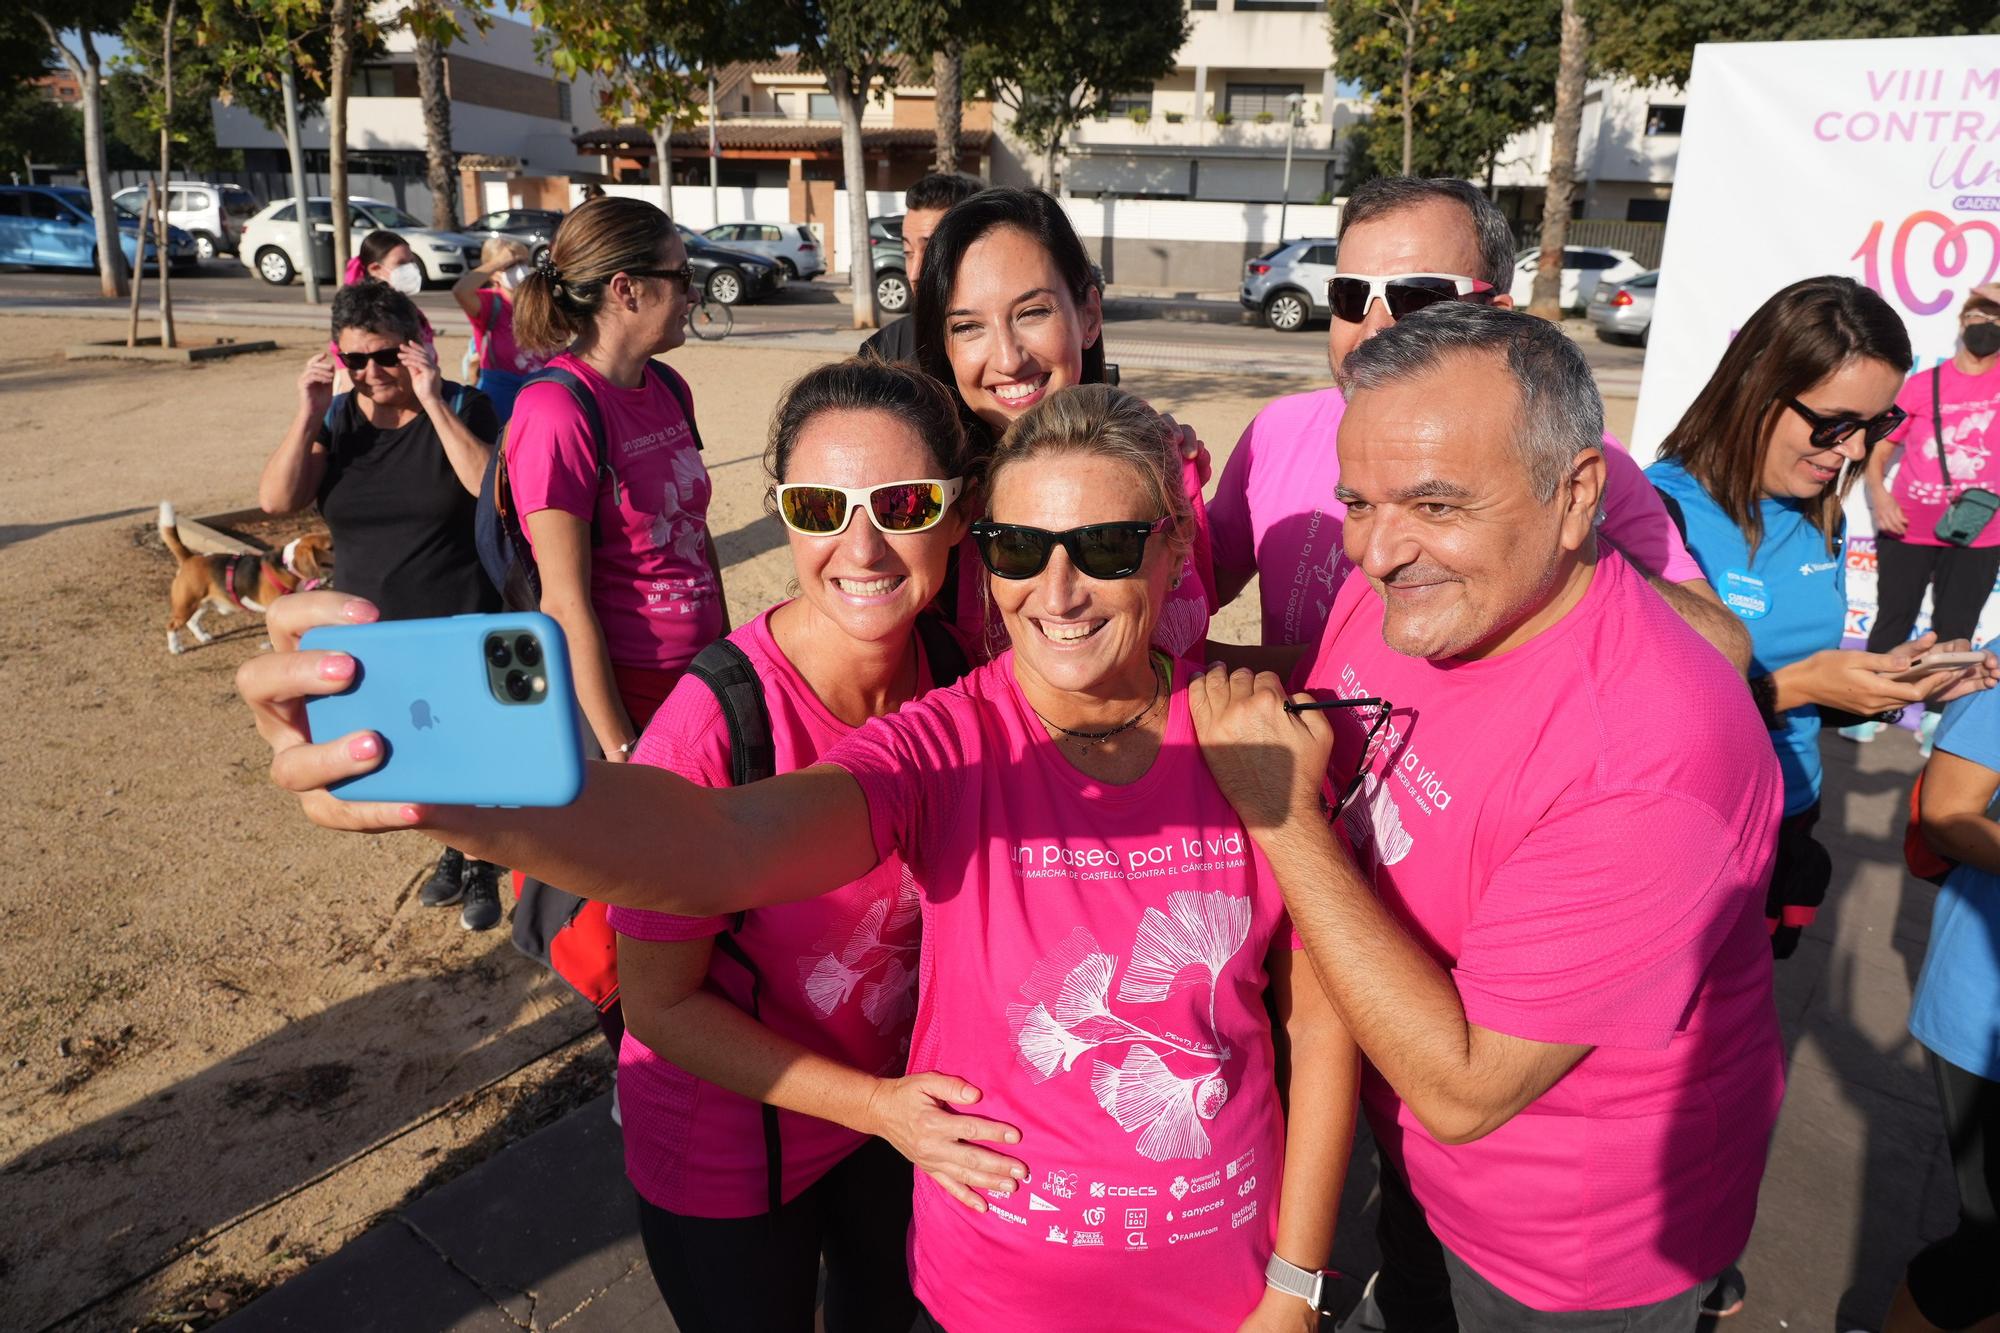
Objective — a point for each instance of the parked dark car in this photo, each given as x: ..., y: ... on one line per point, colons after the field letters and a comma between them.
x: 731, y: 277
x: 532, y: 227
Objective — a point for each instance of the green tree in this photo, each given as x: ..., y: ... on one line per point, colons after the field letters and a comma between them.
x: 82, y: 22
x: 1062, y: 60
x: 1457, y: 78
x: 35, y: 131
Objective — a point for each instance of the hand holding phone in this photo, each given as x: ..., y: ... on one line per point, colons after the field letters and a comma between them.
x: 471, y: 710
x: 1932, y: 663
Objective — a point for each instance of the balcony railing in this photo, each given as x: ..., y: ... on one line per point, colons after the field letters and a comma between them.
x: 1158, y: 131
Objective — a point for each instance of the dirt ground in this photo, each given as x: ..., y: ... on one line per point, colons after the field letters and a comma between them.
x: 229, y: 1040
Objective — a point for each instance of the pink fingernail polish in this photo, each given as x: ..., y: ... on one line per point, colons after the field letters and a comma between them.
x: 409, y: 814
x: 364, y: 747
x: 360, y: 610
x: 336, y: 666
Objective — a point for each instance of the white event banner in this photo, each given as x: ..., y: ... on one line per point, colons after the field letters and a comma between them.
x: 1879, y: 160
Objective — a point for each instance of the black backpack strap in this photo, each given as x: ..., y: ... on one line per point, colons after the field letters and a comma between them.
x: 677, y: 386
x: 727, y: 672
x: 941, y: 650
x: 1674, y: 512
x: 1937, y: 429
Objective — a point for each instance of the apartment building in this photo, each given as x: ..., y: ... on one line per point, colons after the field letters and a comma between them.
x: 1625, y: 158
x: 509, y: 112
x: 1216, y: 126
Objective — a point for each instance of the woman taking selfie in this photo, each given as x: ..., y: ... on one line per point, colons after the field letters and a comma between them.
x: 1935, y: 530
x: 1099, y: 935
x: 1008, y: 312
x: 804, y: 1006
x: 618, y: 525
x: 1756, y: 473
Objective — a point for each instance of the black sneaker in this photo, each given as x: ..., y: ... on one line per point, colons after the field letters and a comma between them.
x: 447, y: 882
x: 482, y: 896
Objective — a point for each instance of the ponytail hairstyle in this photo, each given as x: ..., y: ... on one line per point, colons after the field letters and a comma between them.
x: 374, y: 248
x: 599, y: 240
x: 1796, y: 339
x: 1031, y: 211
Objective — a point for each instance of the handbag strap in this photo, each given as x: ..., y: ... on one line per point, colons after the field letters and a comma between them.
x: 1937, y: 429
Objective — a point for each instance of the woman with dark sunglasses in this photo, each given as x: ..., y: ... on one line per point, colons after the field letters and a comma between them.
x: 618, y: 526
x: 1949, y: 438
x: 1756, y: 472
x: 1100, y: 936
x: 394, y: 460
x: 1008, y: 312
x: 804, y: 1006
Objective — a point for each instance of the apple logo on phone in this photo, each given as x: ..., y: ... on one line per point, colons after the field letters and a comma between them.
x: 421, y: 716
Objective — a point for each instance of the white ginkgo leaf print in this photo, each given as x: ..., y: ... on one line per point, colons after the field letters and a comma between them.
x: 1145, y: 1093
x: 880, y: 935
x: 890, y: 1002
x: 1045, y: 1046
x: 1071, y: 991
x: 1188, y: 945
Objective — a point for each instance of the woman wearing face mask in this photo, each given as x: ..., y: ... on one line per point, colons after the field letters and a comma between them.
x: 394, y: 465
x: 1008, y: 312
x: 1756, y: 472
x: 1100, y: 936
x: 486, y: 295
x: 1950, y: 444
x: 804, y: 1006
x: 627, y: 566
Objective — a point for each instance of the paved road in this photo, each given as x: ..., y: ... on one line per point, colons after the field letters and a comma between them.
x: 1141, y: 331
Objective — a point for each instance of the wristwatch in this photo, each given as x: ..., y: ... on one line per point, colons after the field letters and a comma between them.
x: 1316, y: 1289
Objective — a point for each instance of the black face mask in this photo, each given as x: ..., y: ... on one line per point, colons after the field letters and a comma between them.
x: 1982, y: 340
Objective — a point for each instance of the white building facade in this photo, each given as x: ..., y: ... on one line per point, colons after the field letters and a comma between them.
x: 1626, y: 152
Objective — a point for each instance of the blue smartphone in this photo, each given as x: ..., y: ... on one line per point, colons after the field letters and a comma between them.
x: 472, y: 710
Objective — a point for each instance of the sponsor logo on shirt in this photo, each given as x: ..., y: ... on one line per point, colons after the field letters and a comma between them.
x: 1062, y: 1184
x: 1808, y: 570
x: 1249, y: 1184
x: 1200, y: 1209
x: 1037, y: 1204
x: 1093, y: 1217
x: 1082, y: 1238
x: 1182, y: 1237
x: 1006, y: 1216
x: 1056, y: 1236
x: 1744, y: 593
x: 1100, y: 1190
x: 1135, y: 1218
x: 1242, y: 1215
x: 1135, y: 1240
x: 1241, y: 1164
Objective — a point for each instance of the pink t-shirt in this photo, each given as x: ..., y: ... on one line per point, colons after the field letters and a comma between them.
x: 1580, y: 831
x: 1274, y: 515
x: 493, y: 331
x: 1183, y: 625
x: 1971, y: 405
x: 650, y: 583
x: 1094, y: 962
x: 839, y: 973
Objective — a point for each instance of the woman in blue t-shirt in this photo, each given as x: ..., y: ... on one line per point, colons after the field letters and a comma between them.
x: 1953, y: 1283
x: 1756, y: 471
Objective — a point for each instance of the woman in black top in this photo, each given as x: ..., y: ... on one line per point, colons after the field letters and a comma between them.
x: 394, y: 466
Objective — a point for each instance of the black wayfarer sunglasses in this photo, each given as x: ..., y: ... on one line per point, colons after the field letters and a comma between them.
x: 1828, y: 431
x: 385, y: 357
x: 1101, y: 550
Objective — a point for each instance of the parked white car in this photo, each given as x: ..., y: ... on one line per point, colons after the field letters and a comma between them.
x: 792, y: 244
x: 212, y: 213
x: 270, y: 244
x: 1584, y: 266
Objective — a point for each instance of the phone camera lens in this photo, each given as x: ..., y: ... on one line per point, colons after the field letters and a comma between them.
x: 518, y: 688
x: 497, y: 654
x: 527, y: 650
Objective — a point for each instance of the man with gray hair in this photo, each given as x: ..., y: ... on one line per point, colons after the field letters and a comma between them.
x: 1405, y: 243
x: 1523, y: 828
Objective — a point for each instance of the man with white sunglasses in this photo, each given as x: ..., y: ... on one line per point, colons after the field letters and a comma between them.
x: 1405, y: 243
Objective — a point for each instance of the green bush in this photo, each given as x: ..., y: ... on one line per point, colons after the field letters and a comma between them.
x: 1265, y: 118
x: 1140, y: 115
x: 1175, y: 117
x: 1222, y: 117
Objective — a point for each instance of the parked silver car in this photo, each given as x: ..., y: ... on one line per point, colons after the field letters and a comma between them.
x: 1287, y: 286
x: 270, y: 240
x: 212, y: 213
x: 532, y: 227
x: 1623, y: 311
x: 792, y: 244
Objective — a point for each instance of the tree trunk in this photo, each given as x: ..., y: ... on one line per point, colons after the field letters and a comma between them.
x: 947, y: 66
x: 341, y: 14
x: 161, y: 254
x: 439, y: 174
x: 1572, y: 70
x: 300, y: 196
x: 663, y: 164
x: 860, y: 255
x: 89, y: 73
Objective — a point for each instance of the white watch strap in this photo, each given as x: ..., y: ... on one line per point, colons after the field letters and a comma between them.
x: 1303, y: 1283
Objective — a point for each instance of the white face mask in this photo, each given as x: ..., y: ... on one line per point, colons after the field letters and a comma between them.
x: 512, y: 277
x: 407, y: 279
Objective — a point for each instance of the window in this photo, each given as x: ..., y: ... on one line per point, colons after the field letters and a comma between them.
x: 787, y: 103
x: 129, y: 199
x: 43, y: 208
x: 1664, y: 120
x: 746, y: 104
x: 769, y: 234
x: 284, y: 214
x: 1589, y: 261
x: 820, y: 107
x: 1126, y: 103
x: 1318, y: 254
x: 562, y: 99
x: 1247, y: 101
x: 1199, y: 5
x: 238, y: 202
x: 373, y: 81
x: 11, y: 205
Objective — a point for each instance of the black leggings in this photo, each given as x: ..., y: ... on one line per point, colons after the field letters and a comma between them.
x: 727, y: 1274
x: 1955, y: 1282
x: 1960, y: 579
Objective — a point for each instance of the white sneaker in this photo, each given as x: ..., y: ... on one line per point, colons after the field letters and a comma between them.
x: 1861, y: 732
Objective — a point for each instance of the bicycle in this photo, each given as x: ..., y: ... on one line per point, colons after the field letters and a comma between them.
x: 708, y: 320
